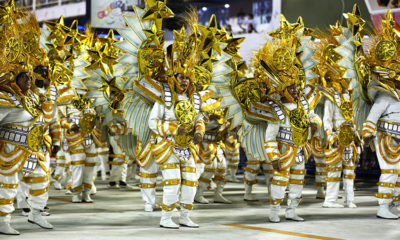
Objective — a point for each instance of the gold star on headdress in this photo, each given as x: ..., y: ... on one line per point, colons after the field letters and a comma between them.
x: 212, y: 35
x: 58, y: 30
x: 74, y: 38
x: 154, y: 35
x: 233, y: 46
x: 354, y: 20
x: 8, y: 10
x: 157, y: 11
x: 336, y: 29
x: 109, y: 86
x: 208, y: 59
x: 286, y: 29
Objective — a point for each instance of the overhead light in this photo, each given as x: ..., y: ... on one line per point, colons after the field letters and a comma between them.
x: 227, y: 5
x: 204, y: 9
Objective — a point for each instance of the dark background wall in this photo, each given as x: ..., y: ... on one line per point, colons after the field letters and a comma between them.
x: 315, y: 13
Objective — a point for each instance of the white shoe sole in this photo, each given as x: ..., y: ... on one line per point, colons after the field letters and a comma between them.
x: 30, y: 221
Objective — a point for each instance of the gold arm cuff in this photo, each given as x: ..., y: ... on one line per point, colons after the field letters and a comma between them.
x: 275, y: 202
x: 35, y: 179
x: 38, y: 192
x: 189, y: 183
x: 167, y: 208
x: 386, y: 184
x: 250, y: 170
x: 219, y: 178
x: 81, y: 162
x: 279, y: 183
x: 188, y: 169
x: 383, y: 195
x: 248, y: 182
x: 146, y: 185
x: 205, y: 180
x: 77, y: 189
x: 8, y: 185
x: 77, y: 151
x: 252, y: 162
x: 168, y: 182
x: 147, y: 175
x: 390, y: 171
x: 334, y: 169
x: 170, y: 166
x: 320, y: 173
x: 349, y: 167
x: 268, y: 171
x: 298, y: 172
x: 296, y: 181
x: 333, y: 179
x: 6, y: 201
x: 349, y: 176
x: 187, y: 206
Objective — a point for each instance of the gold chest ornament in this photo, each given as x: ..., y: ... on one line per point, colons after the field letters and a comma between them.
x: 35, y: 138
x: 87, y: 122
x: 31, y: 106
x: 346, y: 132
x: 186, y: 115
x: 299, y: 121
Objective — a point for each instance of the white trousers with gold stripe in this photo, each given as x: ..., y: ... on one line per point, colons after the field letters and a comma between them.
x: 292, y: 177
x: 119, y: 166
x: 320, y: 171
x: 38, y: 186
x: 83, y: 162
x: 61, y: 165
x: 253, y: 168
x: 148, y: 178
x: 389, y: 181
x: 334, y: 172
x: 178, y: 177
x: 216, y: 168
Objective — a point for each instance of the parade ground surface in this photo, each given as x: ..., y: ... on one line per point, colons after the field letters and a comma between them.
x: 118, y: 214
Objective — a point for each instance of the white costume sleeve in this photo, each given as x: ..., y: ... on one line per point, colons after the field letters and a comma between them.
x: 160, y: 126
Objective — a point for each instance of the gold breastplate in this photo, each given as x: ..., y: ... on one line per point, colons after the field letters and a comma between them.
x: 299, y: 121
x: 186, y: 115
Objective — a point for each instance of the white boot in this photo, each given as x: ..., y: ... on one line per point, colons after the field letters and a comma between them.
x: 199, y: 197
x: 349, y: 193
x: 166, y: 220
x: 218, y: 198
x: 57, y: 185
x: 350, y: 205
x: 291, y: 210
x: 320, y: 193
x: 36, y: 217
x: 384, y: 212
x: 212, y: 185
x: 148, y: 207
x: 93, y: 190
x: 184, y: 219
x: 332, y: 190
x: 248, y: 196
x: 76, y: 198
x: 393, y: 209
x: 232, y: 175
x: 274, y: 213
x: 86, y: 196
x: 6, y: 229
